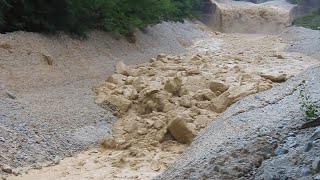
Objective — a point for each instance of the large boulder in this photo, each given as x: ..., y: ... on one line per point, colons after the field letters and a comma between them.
x: 121, y: 68
x: 119, y: 103
x: 218, y: 86
x: 222, y: 102
x: 118, y: 79
x: 181, y: 130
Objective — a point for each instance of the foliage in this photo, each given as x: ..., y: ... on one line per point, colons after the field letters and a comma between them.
x: 311, y: 20
x: 294, y: 1
x: 78, y: 16
x: 310, y: 108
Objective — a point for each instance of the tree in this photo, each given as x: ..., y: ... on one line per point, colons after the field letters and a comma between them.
x: 78, y: 16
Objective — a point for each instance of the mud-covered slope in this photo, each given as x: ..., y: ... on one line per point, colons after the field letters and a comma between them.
x: 252, y: 129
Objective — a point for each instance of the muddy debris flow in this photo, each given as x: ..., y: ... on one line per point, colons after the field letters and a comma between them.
x: 162, y: 105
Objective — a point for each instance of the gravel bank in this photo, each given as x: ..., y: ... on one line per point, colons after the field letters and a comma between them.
x: 302, y: 40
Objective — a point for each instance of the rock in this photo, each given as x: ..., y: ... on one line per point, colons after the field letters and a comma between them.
x: 152, y: 60
x: 48, y: 59
x: 311, y: 123
x: 292, y: 134
x: 16, y: 172
x: 173, y: 85
x: 142, y: 131
x: 279, y: 56
x: 218, y: 86
x: 118, y: 79
x: 119, y: 102
x: 11, y: 95
x: 121, y: 68
x: 2, y: 139
x: 208, y: 95
x: 162, y: 58
x: 159, y: 124
x: 183, y: 91
x: 168, y: 107
x: 204, y: 104
x: 152, y: 72
x: 158, y: 64
x: 315, y: 136
x: 316, y: 165
x: 194, y: 71
x: 317, y: 177
x: 185, y: 101
x: 280, y: 151
x: 6, y: 169
x: 308, y: 147
x: 277, y: 78
x: 134, y: 72
x: 131, y: 37
x: 291, y: 142
x: 131, y: 128
x: 130, y: 93
x: 201, y: 121
x: 160, y: 135
x: 204, y: 95
x: 120, y: 141
x: 37, y: 166
x: 232, y: 95
x: 56, y: 160
x: 6, y: 46
x: 103, y: 85
x: 140, y: 84
x: 305, y: 171
x: 196, y: 57
x: 181, y: 131
x: 111, y: 143
x: 130, y: 79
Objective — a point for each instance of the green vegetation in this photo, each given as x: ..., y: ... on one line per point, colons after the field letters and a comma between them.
x: 294, y: 1
x: 79, y: 16
x: 311, y: 20
x: 310, y: 108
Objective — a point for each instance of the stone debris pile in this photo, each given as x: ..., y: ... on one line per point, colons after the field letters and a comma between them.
x: 172, y: 98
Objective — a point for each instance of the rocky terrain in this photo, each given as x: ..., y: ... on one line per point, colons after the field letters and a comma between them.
x: 263, y: 128
x: 47, y: 108
x: 155, y: 120
x: 192, y: 91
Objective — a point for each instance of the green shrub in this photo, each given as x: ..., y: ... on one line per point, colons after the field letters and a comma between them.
x: 78, y: 16
x: 294, y: 1
x: 311, y: 20
x: 310, y: 108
